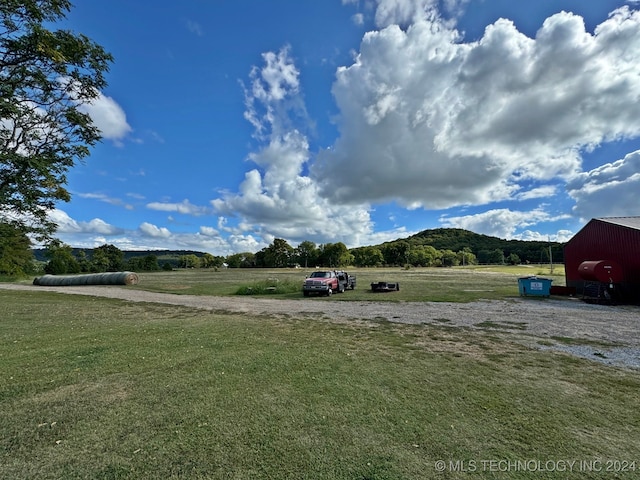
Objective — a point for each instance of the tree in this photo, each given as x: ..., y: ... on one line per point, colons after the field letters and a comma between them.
x: 148, y: 263
x: 236, y: 260
x: 46, y: 77
x: 209, y: 261
x: 307, y: 253
x: 107, y: 258
x: 496, y: 257
x: 423, y: 255
x: 513, y: 259
x: 241, y: 260
x: 189, y: 261
x: 466, y: 257
x: 61, y: 259
x: 16, y: 257
x: 367, y: 257
x: 335, y: 255
x: 275, y: 255
x: 396, y: 253
x: 449, y: 258
x: 83, y: 261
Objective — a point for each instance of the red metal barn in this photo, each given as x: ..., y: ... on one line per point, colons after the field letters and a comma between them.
x: 605, y: 254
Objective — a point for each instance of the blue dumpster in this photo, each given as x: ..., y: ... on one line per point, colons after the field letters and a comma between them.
x: 534, y: 286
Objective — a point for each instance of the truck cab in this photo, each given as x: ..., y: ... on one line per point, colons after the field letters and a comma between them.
x: 323, y: 282
x: 327, y: 282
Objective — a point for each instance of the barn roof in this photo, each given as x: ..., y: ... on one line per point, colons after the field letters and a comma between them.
x: 630, y: 222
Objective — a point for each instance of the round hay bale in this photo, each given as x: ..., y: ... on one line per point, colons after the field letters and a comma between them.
x: 107, y: 278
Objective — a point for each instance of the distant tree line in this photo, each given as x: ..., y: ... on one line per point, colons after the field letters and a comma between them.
x: 445, y: 247
x: 431, y: 248
x: 62, y: 259
x: 334, y: 255
x: 205, y: 260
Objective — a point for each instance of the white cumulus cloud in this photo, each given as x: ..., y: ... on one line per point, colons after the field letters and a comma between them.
x: 108, y: 116
x: 185, y: 207
x: 277, y: 199
x: 153, y: 231
x: 429, y: 120
x: 501, y: 223
x: 67, y: 225
x: 610, y: 190
x: 101, y: 227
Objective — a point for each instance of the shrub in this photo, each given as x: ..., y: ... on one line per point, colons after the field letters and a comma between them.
x: 269, y: 287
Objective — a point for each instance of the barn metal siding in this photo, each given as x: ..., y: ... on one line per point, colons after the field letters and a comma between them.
x: 603, y: 240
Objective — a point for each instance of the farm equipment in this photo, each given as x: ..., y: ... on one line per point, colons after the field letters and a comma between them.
x: 385, y: 287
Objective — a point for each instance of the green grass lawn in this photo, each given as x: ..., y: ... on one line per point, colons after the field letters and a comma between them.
x: 98, y: 388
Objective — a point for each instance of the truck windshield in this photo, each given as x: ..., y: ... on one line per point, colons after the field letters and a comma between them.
x: 320, y: 275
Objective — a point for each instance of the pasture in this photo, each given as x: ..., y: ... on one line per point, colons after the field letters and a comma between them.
x: 417, y: 284
x: 99, y: 388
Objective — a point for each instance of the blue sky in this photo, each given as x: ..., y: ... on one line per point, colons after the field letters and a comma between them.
x: 227, y: 124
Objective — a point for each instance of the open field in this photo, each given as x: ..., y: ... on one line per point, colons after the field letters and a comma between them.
x: 105, y: 388
x: 417, y: 284
x: 458, y: 284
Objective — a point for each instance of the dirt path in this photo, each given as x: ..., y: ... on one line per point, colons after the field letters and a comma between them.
x: 538, y: 317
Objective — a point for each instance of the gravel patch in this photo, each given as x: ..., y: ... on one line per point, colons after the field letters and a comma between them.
x: 616, y: 328
x: 628, y: 357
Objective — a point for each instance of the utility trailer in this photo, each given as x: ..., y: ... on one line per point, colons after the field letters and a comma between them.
x: 385, y: 287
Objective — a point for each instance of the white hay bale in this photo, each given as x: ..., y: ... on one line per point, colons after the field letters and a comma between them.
x: 107, y: 278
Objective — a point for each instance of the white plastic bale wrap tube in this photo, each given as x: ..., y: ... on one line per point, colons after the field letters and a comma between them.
x: 108, y: 278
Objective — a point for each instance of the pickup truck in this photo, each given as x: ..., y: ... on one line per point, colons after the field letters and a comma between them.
x: 327, y: 282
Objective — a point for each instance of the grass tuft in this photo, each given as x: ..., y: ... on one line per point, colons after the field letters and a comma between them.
x: 271, y: 286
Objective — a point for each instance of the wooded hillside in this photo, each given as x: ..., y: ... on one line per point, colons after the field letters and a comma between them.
x: 456, y: 239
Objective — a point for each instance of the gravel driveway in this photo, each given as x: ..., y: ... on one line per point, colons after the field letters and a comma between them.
x: 534, y: 317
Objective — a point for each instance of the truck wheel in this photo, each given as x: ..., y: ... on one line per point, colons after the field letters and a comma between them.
x: 305, y: 293
x: 329, y: 292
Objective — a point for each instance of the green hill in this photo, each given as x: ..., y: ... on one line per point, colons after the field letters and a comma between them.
x: 456, y: 239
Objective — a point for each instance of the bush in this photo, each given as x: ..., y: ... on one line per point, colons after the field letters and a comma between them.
x: 269, y: 287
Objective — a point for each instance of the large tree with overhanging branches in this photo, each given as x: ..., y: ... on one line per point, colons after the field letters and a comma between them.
x: 46, y: 76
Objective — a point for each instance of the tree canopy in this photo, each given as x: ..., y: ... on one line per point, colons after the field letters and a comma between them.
x: 16, y: 257
x: 46, y: 76
x: 277, y: 254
